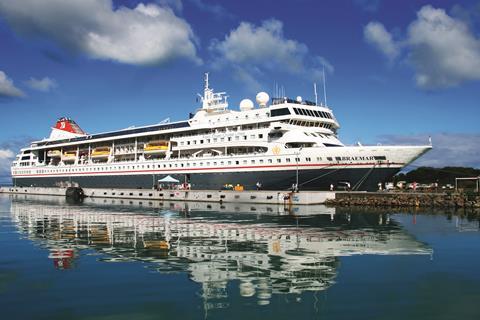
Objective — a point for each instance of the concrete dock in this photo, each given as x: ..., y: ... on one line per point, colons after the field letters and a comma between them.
x: 219, y: 196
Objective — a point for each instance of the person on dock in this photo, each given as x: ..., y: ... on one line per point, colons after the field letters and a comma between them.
x: 259, y: 185
x: 331, y: 186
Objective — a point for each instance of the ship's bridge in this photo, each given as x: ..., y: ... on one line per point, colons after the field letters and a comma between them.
x: 214, y: 112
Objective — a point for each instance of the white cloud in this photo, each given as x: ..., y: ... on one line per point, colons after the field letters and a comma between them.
x: 6, y: 158
x: 376, y: 34
x: 449, y: 149
x: 7, y: 88
x: 442, y: 49
x: 264, y: 45
x: 147, y: 34
x: 212, y: 8
x: 251, y: 50
x: 177, y: 5
x: 45, y: 85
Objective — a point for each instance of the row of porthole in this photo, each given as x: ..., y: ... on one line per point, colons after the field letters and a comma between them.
x: 209, y: 196
x: 176, y: 165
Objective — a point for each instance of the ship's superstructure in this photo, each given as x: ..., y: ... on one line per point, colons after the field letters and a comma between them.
x: 279, y: 143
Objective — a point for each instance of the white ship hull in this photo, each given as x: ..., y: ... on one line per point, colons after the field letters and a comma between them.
x: 357, y: 165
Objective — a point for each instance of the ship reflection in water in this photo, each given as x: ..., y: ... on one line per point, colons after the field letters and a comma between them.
x: 268, y: 250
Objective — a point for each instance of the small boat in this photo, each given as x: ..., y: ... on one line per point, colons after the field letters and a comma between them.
x: 54, y: 153
x: 69, y: 155
x: 156, y: 147
x: 101, y: 152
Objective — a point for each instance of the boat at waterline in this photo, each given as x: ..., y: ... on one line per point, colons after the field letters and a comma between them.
x: 276, y: 144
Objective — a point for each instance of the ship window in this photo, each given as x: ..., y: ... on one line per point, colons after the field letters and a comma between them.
x: 270, y: 161
x: 214, y: 163
x: 319, y: 159
x: 170, y: 165
x: 244, y: 161
x: 244, y: 137
x: 261, y: 161
x: 252, y: 136
x: 280, y: 112
x: 279, y: 160
x: 229, y: 162
x: 288, y: 159
x: 297, y: 159
x: 329, y: 158
x: 237, y: 162
x: 380, y: 158
x: 253, y: 161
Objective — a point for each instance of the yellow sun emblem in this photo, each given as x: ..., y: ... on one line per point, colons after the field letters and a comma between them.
x: 276, y: 150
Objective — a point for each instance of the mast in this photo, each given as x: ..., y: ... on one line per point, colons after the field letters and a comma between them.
x: 324, y: 87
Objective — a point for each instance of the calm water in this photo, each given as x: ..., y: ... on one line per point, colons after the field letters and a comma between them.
x: 105, y: 259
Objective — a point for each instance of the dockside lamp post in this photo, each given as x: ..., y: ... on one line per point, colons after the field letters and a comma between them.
x: 297, y: 158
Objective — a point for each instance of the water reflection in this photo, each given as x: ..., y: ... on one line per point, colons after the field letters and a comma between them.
x: 265, y: 250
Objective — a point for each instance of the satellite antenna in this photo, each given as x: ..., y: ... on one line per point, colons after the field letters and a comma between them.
x: 315, y: 92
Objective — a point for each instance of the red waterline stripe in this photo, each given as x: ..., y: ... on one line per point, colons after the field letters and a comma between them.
x: 200, y: 169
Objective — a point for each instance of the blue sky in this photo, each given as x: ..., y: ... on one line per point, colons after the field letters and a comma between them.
x: 397, y: 71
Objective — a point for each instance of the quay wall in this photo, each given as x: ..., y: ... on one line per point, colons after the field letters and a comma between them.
x: 406, y: 199
x: 222, y: 196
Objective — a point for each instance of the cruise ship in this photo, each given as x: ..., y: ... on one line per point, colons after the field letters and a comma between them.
x: 277, y: 144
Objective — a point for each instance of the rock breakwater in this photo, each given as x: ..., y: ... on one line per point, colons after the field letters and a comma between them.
x: 394, y: 199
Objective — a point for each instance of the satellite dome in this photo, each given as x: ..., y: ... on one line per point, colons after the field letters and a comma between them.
x: 299, y: 99
x: 246, y: 104
x: 262, y: 99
